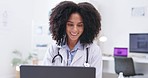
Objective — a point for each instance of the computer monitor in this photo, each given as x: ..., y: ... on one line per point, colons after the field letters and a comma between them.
x: 138, y: 42
x: 36, y: 71
x: 120, y: 51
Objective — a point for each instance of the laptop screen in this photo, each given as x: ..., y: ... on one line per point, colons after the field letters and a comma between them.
x: 120, y: 51
x: 28, y: 71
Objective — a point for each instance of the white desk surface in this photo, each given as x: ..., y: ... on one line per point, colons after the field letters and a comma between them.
x: 136, y: 59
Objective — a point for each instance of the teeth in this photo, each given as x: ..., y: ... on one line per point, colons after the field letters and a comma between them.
x: 74, y: 34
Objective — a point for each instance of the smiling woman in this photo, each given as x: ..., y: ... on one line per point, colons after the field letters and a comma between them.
x: 74, y: 28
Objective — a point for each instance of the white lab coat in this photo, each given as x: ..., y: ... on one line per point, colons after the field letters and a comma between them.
x: 94, y: 58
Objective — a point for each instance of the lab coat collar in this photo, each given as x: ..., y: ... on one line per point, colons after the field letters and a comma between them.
x: 77, y: 46
x: 77, y: 56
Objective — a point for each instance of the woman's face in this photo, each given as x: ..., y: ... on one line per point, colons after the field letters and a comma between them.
x: 74, y: 27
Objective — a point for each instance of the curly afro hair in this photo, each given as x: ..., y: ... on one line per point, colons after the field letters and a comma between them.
x: 61, y: 13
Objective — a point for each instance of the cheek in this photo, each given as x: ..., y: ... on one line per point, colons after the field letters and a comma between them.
x: 82, y: 30
x: 66, y: 28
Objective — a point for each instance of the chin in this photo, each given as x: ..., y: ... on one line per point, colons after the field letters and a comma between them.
x: 74, y: 39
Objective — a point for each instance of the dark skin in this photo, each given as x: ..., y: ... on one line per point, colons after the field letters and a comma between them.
x: 74, y: 29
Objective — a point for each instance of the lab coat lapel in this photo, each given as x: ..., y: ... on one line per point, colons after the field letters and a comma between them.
x: 77, y: 56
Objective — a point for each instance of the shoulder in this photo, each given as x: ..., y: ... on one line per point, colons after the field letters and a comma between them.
x: 53, y: 47
x: 94, y: 49
x: 94, y: 46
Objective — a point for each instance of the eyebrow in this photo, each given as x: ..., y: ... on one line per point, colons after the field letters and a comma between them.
x: 72, y: 22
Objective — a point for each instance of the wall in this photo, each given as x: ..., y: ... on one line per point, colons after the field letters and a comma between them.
x: 117, y: 22
x: 15, y: 32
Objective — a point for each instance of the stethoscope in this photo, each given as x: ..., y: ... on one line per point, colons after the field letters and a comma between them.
x: 86, y: 64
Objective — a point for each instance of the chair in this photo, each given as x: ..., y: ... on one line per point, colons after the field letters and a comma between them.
x: 125, y: 65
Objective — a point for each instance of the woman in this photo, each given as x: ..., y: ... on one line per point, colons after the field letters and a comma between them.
x: 74, y: 27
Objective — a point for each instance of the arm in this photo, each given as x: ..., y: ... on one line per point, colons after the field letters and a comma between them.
x: 47, y: 60
x: 96, y: 60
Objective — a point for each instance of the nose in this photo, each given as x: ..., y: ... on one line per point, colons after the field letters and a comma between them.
x: 75, y: 29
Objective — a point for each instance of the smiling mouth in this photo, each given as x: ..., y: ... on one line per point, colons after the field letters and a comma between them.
x: 74, y: 34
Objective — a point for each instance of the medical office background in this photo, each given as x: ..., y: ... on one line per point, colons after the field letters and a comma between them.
x: 24, y: 28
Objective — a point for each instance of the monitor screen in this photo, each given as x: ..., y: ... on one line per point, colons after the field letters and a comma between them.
x: 119, y: 51
x: 138, y: 42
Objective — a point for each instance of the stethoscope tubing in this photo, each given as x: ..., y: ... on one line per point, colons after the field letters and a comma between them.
x: 53, y: 60
x: 86, y: 64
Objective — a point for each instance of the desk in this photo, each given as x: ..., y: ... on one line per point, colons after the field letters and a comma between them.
x: 135, y: 59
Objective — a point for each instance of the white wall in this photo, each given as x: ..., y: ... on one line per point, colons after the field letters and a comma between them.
x: 117, y: 22
x: 15, y: 33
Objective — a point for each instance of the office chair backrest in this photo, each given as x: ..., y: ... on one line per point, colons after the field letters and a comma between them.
x: 125, y: 65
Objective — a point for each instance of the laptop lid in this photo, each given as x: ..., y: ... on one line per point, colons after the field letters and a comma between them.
x: 118, y: 51
x: 30, y: 71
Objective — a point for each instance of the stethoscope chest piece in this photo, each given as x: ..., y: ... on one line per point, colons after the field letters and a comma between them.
x: 86, y: 65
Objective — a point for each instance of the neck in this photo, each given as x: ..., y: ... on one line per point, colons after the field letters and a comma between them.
x: 71, y: 44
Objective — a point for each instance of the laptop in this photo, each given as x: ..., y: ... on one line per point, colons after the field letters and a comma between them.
x: 119, y: 51
x: 36, y: 71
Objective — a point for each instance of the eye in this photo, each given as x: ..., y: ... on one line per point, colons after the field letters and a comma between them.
x: 80, y: 25
x: 69, y: 24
